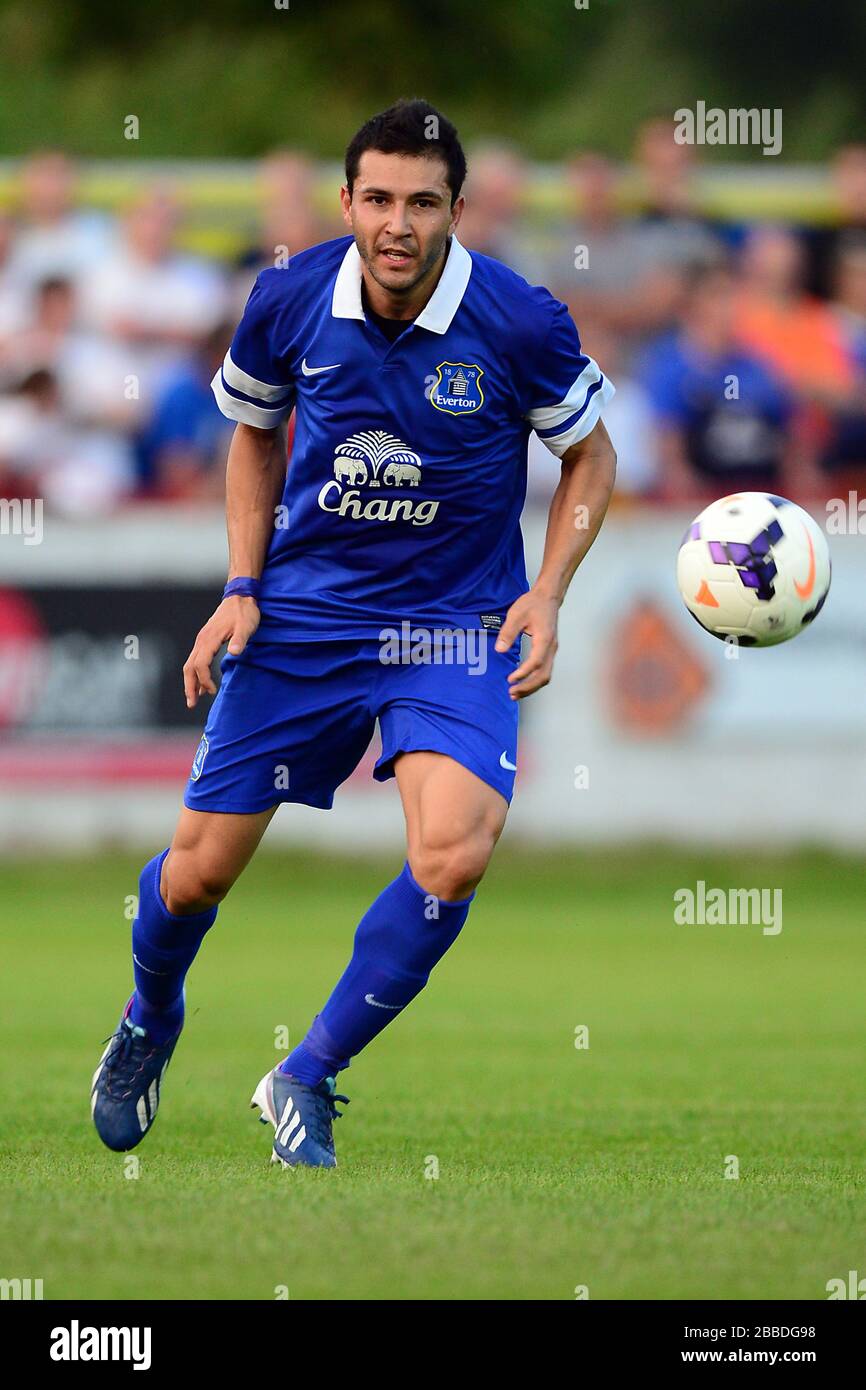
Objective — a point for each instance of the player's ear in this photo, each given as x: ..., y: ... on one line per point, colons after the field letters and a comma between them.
x: 346, y: 205
x: 457, y: 213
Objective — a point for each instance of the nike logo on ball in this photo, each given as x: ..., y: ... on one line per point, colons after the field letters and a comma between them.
x: 804, y: 590
x: 314, y: 371
x: 368, y: 999
x: 503, y: 762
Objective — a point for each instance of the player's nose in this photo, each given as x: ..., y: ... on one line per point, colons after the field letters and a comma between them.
x: 398, y: 223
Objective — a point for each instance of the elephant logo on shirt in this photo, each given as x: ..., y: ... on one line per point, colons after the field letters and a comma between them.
x: 375, y: 459
x: 362, y: 458
x: 397, y: 473
x: 350, y: 470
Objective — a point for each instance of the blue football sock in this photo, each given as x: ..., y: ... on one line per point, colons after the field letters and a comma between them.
x: 164, y: 946
x: 398, y: 941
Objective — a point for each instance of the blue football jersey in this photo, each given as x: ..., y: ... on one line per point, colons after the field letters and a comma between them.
x: 408, y: 471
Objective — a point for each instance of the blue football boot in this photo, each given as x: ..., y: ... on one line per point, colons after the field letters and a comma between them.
x: 302, y: 1117
x: 125, y: 1091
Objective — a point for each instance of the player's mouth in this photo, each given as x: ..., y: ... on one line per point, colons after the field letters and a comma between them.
x: 396, y: 256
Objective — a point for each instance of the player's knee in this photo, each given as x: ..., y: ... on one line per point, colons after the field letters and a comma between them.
x: 193, y: 882
x: 451, y: 870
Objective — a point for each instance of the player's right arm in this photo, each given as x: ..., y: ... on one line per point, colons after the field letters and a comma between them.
x: 253, y: 387
x: 255, y: 474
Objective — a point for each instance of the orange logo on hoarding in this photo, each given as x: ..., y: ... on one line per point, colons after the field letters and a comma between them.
x: 654, y: 678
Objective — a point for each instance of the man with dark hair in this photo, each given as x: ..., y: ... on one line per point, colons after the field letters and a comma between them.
x: 382, y: 580
x: 410, y: 127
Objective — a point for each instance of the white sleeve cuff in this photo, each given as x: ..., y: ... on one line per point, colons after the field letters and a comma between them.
x: 245, y: 412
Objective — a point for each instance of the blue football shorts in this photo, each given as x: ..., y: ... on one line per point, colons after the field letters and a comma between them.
x: 292, y: 720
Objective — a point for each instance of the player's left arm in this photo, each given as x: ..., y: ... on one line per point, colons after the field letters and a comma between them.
x: 576, y: 512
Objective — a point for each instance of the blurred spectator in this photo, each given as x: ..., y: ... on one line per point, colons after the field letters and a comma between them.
x: 610, y: 268
x: 149, y: 295
x: 669, y: 236
x: 492, y: 222
x: 674, y: 230
x: 56, y: 238
x: 186, y: 443
x: 13, y: 298
x: 796, y: 336
x: 78, y: 471
x: 848, y: 175
x: 89, y: 369
x: 598, y: 267
x: 846, y: 449
x: 725, y: 419
x: 31, y: 433
x: 666, y: 170
x: 632, y: 272
x: 629, y: 420
x: 287, y: 218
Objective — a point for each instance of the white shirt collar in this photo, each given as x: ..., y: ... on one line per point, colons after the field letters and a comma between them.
x: 440, y: 307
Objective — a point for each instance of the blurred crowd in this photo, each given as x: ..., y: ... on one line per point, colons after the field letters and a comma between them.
x: 738, y: 351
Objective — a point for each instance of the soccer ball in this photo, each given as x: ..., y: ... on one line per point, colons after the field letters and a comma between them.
x: 755, y: 568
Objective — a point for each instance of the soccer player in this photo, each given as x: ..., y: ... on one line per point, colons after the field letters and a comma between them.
x: 383, y: 578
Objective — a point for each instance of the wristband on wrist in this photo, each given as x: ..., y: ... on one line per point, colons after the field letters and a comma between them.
x: 243, y: 587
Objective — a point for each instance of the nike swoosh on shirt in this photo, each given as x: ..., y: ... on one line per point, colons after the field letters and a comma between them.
x: 314, y: 371
x: 804, y: 590
x: 368, y: 999
x: 504, y: 763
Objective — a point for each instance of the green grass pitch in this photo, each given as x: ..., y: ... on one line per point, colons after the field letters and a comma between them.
x: 558, y: 1167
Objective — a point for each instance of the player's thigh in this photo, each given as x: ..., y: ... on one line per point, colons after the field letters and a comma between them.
x: 452, y: 816
x: 291, y: 722
x: 208, y: 852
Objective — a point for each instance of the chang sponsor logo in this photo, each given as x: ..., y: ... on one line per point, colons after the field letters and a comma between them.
x: 374, y: 459
x: 332, y: 498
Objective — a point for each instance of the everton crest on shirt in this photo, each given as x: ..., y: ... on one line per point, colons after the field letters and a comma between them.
x: 457, y: 387
x: 408, y: 470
